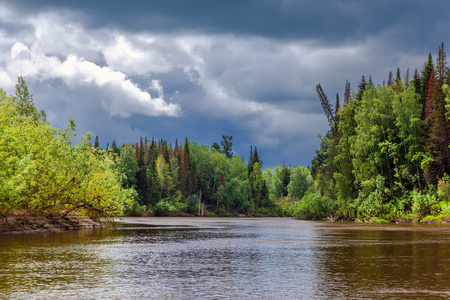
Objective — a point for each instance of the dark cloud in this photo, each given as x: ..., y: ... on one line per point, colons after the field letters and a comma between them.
x: 328, y: 21
x: 203, y: 69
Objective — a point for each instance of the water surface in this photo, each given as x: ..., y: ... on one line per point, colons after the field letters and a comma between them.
x: 220, y: 258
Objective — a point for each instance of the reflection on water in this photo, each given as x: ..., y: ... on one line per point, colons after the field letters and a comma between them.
x: 200, y: 258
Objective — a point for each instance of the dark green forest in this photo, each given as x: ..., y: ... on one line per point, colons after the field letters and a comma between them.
x: 385, y: 157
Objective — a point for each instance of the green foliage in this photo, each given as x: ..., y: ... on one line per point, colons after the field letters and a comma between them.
x: 300, y: 181
x: 162, y: 208
x: 237, y: 195
x: 128, y: 166
x: 371, y: 198
x: 390, y: 153
x: 423, y: 203
x: 42, y: 172
x: 227, y: 146
x: 316, y: 206
x: 191, y: 204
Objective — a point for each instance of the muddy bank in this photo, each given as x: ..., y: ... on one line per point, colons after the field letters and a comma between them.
x: 22, y: 223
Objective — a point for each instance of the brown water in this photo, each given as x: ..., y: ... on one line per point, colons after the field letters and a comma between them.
x: 198, y: 258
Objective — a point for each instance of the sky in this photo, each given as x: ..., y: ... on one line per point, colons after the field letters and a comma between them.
x: 170, y: 70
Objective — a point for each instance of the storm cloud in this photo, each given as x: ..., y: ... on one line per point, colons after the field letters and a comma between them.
x: 203, y: 69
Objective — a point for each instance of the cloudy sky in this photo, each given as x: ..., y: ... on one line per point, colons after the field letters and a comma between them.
x: 202, y: 69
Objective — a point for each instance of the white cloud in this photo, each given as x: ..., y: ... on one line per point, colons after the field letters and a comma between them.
x: 141, y: 56
x: 121, y: 97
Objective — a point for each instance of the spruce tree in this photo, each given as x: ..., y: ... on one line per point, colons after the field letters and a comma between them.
x: 336, y: 108
x: 390, y: 79
x: 370, y: 80
x: 24, y: 103
x: 437, y: 142
x: 347, y: 92
x: 250, y: 161
x: 416, y: 82
x: 256, y: 158
x: 114, y: 147
x: 96, y: 144
x: 426, y: 73
x: 141, y: 175
x: 361, y: 88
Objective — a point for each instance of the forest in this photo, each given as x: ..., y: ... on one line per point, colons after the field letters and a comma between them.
x: 45, y: 171
x: 386, y: 156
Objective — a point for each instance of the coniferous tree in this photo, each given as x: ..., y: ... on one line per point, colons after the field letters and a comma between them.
x: 347, y: 92
x: 141, y: 175
x: 285, y: 180
x: 250, y: 161
x: 390, y: 79
x: 441, y: 67
x: 96, y: 144
x: 361, y: 88
x: 24, y: 104
x: 416, y: 82
x: 437, y: 142
x: 136, y: 151
x: 114, y: 147
x: 425, y: 78
x: 370, y: 80
x: 327, y: 108
x: 336, y: 109
x: 227, y: 146
x: 338, y: 105
x: 406, y: 81
x: 397, y: 86
x: 154, y: 187
x: 216, y: 146
x: 256, y: 158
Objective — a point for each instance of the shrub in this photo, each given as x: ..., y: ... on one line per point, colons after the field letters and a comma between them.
x: 162, y: 208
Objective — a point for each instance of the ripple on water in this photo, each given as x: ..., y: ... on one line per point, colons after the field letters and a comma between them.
x: 228, y: 258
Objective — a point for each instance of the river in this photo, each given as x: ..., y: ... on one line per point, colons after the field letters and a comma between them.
x: 229, y: 258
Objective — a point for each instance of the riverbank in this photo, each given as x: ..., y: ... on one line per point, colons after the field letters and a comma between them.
x: 24, y: 223
x: 212, y: 211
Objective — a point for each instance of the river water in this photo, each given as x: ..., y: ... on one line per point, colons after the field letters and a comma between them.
x: 229, y: 258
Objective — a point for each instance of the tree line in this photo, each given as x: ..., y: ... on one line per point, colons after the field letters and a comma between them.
x: 45, y: 171
x: 386, y: 154
x: 201, y: 180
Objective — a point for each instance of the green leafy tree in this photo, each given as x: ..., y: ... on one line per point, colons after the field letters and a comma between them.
x: 43, y: 173
x: 257, y: 182
x: 164, y: 176
x: 237, y: 195
x: 300, y: 181
x: 237, y: 169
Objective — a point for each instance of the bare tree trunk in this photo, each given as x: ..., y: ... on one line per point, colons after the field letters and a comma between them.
x: 199, y: 202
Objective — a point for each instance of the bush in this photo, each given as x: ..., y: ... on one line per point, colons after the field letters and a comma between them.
x: 315, y: 206
x: 190, y: 204
x: 162, y: 208
x: 422, y: 203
